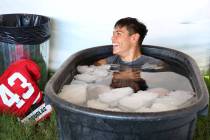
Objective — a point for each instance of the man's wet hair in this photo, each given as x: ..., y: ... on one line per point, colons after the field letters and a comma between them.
x: 133, y: 26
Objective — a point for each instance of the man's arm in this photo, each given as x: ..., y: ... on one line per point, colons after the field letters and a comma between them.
x: 100, y: 62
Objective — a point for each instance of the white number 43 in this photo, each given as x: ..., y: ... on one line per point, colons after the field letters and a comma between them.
x: 9, y: 98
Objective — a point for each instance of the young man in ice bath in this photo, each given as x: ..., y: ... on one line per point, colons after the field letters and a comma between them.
x: 127, y: 39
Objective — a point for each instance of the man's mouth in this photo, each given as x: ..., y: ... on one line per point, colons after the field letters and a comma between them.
x: 115, y: 45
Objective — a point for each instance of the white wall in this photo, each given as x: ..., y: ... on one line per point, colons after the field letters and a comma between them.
x: 79, y: 24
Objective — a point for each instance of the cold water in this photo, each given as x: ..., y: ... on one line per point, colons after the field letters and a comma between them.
x: 123, y: 89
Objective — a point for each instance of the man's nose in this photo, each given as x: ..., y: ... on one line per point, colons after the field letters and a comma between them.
x: 113, y: 38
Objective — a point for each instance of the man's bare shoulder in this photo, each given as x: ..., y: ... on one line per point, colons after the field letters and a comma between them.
x: 101, y: 62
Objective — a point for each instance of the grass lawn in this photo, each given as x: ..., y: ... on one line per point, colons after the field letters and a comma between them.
x: 202, y: 131
x: 11, y: 129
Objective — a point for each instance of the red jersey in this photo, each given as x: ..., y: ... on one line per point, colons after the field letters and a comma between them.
x: 18, y: 87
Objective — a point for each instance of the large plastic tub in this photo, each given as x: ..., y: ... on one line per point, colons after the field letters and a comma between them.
x: 80, y: 123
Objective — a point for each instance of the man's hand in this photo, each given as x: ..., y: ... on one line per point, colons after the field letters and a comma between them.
x: 127, y: 75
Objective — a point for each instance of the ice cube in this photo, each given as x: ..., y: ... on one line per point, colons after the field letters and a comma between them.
x: 157, y: 107
x: 114, y: 95
x: 104, y: 80
x: 85, y: 77
x: 136, y: 101
x: 182, y: 97
x: 97, y: 104
x: 75, y: 94
x: 93, y: 90
x: 85, y: 69
x: 101, y: 72
x: 177, y: 98
x: 78, y: 82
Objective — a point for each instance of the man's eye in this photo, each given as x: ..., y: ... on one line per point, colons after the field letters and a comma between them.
x: 118, y: 33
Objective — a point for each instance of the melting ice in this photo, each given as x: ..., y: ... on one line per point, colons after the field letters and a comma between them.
x: 91, y: 88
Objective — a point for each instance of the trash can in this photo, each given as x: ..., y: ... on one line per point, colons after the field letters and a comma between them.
x: 25, y: 36
x: 81, y: 123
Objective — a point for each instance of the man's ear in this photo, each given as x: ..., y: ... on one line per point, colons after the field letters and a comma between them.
x: 135, y: 37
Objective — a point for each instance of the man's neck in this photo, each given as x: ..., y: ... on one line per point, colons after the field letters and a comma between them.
x: 132, y: 55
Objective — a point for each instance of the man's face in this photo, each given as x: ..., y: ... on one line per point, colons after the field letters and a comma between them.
x: 121, y: 41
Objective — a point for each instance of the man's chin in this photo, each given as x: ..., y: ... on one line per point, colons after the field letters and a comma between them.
x: 114, y: 52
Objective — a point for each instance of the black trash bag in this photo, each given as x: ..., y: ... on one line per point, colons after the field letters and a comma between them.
x: 24, y: 29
